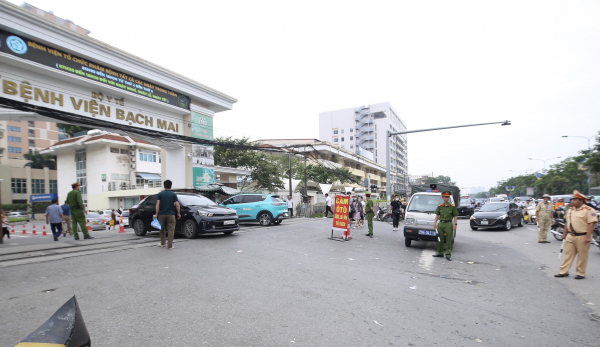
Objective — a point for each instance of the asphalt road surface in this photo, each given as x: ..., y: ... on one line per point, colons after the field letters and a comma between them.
x: 289, y: 285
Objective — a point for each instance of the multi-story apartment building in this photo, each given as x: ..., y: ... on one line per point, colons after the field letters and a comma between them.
x: 362, y: 130
x: 21, y: 137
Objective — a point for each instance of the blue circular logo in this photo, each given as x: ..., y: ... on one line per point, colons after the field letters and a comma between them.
x: 16, y: 44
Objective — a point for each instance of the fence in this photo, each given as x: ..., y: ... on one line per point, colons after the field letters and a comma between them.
x: 318, y: 210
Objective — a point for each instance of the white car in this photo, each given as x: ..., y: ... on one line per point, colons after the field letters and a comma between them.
x: 418, y: 223
x: 18, y: 215
x: 106, y: 215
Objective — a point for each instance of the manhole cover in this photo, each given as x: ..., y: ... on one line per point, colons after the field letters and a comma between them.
x: 595, y: 316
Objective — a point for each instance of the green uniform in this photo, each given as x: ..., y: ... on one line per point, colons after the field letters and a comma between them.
x: 77, y: 213
x: 445, y: 229
x: 369, y: 213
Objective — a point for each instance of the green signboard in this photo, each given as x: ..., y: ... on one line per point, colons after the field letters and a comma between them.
x: 202, y: 156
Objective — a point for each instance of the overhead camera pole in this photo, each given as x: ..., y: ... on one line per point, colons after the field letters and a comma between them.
x: 388, y: 184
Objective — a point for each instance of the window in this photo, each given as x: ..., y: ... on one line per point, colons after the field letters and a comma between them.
x: 15, y: 129
x: 114, y: 176
x: 124, y: 177
x: 335, y: 132
x: 342, y: 139
x: 253, y: 198
x: 14, y: 139
x: 31, y: 143
x: 351, y: 146
x: 343, y: 146
x: 53, y: 186
x: 14, y: 149
x: 148, y: 156
x: 38, y: 186
x: 334, y: 140
x: 31, y: 132
x: 19, y: 185
x: 351, y: 130
x: 81, y: 172
x: 124, y: 151
x: 62, y: 135
x: 31, y: 123
x: 351, y: 138
x: 114, y: 150
x: 342, y: 131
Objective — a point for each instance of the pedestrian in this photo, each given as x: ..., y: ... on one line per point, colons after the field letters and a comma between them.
x: 580, y: 223
x: 446, y: 213
x: 4, y: 223
x: 544, y: 215
x: 362, y: 214
x: 78, y: 212
x: 167, y: 208
x: 120, y: 210
x: 358, y: 211
x: 54, y: 217
x: 396, y: 209
x: 328, y: 206
x: 67, y: 228
x: 290, y: 204
x: 113, y: 220
x: 370, y: 213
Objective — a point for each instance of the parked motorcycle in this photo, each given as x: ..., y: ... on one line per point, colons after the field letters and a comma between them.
x: 531, y: 215
x: 558, y: 228
x: 381, y: 214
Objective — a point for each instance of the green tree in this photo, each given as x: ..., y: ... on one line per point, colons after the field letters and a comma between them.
x: 431, y: 180
x: 40, y: 161
x: 70, y: 129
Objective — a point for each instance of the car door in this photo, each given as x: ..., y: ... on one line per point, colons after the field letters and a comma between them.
x: 234, y: 203
x: 249, y: 206
x: 148, y: 210
x: 513, y: 213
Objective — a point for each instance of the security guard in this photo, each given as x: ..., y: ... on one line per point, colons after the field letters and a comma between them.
x: 78, y: 211
x: 446, y: 212
x: 369, y: 212
x: 580, y: 223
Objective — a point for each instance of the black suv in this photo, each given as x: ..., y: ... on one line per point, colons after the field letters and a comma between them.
x: 199, y: 215
x: 465, y: 209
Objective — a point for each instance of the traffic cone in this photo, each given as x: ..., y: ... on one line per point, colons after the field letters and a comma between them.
x: 24, y: 231
x: 44, y: 231
x: 348, y: 237
x: 121, y: 226
x: 89, y: 226
x: 13, y: 229
x: 34, y: 232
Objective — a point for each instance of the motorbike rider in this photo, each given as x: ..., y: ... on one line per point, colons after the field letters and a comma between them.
x: 560, y: 203
x: 591, y: 202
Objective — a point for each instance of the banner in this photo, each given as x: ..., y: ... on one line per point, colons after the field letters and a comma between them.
x: 202, y: 156
x: 340, y: 215
x: 530, y: 191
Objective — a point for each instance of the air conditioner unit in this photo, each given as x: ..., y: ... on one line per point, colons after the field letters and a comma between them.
x: 132, y: 147
x: 132, y: 153
x: 133, y: 159
x: 133, y: 166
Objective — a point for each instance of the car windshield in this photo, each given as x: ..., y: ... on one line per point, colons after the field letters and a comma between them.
x: 494, y: 207
x: 93, y: 215
x: 424, y: 203
x: 195, y: 200
x: 465, y: 202
x: 496, y: 199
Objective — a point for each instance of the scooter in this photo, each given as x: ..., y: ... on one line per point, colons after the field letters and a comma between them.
x: 381, y: 214
x: 558, y: 228
x: 531, y: 215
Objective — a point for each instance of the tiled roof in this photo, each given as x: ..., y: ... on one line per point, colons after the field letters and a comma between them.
x: 107, y: 137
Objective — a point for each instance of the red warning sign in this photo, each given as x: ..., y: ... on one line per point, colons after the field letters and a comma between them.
x: 340, y: 215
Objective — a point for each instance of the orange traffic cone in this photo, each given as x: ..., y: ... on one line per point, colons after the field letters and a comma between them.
x: 89, y: 226
x: 24, y: 231
x: 121, y: 226
x: 44, y: 231
x: 13, y: 229
x: 34, y: 232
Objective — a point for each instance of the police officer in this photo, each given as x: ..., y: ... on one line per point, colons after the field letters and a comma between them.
x: 544, y: 215
x: 369, y: 212
x: 580, y: 223
x: 448, y: 216
x: 78, y: 211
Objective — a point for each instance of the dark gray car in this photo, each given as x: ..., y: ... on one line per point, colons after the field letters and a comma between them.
x: 497, y: 215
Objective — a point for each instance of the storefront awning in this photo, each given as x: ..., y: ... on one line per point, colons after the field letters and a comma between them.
x: 217, y: 188
x: 149, y: 176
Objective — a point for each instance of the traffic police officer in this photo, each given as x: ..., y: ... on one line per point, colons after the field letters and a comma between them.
x: 78, y: 211
x: 447, y: 213
x: 369, y: 212
x: 580, y: 223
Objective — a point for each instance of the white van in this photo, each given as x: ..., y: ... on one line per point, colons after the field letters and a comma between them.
x: 418, y: 223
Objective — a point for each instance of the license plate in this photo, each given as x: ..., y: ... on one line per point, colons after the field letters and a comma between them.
x: 427, y: 232
x: 228, y: 222
x: 484, y: 222
x: 95, y: 222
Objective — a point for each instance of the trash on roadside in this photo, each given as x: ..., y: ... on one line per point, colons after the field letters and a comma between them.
x: 240, y: 251
x: 479, y: 340
x: 470, y: 262
x: 350, y: 259
x: 377, y: 323
x: 413, y: 287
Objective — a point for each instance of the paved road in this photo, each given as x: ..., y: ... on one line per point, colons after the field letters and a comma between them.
x: 289, y: 286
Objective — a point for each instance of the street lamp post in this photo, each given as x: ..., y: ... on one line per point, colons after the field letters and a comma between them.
x: 388, y: 186
x: 545, y: 160
x: 589, y: 180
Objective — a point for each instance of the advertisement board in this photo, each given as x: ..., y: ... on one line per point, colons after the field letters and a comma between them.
x: 202, y: 156
x: 27, y: 49
x: 340, y: 214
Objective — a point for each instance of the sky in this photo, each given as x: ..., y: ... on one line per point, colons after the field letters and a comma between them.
x: 439, y: 63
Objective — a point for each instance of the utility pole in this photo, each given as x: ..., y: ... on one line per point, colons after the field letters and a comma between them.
x: 290, y: 171
x: 305, y: 184
x: 389, y: 134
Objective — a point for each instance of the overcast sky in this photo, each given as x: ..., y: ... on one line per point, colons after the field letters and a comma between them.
x: 440, y: 63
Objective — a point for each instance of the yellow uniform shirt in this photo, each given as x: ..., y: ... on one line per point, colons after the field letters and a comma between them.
x: 545, y: 210
x: 579, y: 218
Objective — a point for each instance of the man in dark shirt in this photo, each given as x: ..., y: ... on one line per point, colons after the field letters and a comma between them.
x: 67, y: 229
x: 396, y: 209
x: 167, y: 206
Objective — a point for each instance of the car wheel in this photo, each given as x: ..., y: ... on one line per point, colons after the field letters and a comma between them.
x: 521, y: 222
x: 264, y: 219
x: 474, y: 228
x: 507, y: 225
x: 139, y: 228
x: 407, y: 241
x: 190, y: 229
x: 277, y: 222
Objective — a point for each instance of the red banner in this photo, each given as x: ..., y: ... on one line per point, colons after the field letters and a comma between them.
x: 340, y: 215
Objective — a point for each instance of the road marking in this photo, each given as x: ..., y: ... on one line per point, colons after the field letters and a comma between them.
x: 426, y: 259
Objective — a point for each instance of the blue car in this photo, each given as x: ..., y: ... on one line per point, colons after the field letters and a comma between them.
x: 266, y: 209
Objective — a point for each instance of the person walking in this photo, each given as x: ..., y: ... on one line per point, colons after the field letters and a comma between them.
x: 78, y: 212
x: 67, y: 228
x: 167, y: 207
x: 445, y: 212
x: 580, y: 223
x: 54, y: 217
x: 120, y: 210
x: 362, y: 214
x: 357, y: 212
x: 4, y: 225
x: 544, y: 215
x: 370, y: 213
x: 113, y: 219
x: 396, y: 210
x: 328, y: 206
x: 290, y: 204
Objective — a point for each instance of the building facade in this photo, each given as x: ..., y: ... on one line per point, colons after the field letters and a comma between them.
x: 20, y: 137
x: 363, y: 130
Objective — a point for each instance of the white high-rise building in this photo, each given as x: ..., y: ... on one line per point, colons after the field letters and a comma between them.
x: 363, y: 129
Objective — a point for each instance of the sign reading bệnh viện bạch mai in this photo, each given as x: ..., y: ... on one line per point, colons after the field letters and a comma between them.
x: 19, y: 46
x: 202, y: 156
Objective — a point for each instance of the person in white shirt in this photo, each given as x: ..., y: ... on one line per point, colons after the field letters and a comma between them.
x: 4, y: 224
x: 290, y: 203
x: 364, y: 204
x: 328, y: 207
